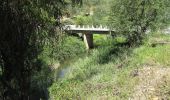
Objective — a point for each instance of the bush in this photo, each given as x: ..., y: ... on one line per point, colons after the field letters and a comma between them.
x: 83, y: 20
x: 70, y: 47
x: 44, y: 77
x: 40, y: 82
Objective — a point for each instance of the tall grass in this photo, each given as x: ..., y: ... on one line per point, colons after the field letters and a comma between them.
x: 94, y: 74
x: 108, y: 72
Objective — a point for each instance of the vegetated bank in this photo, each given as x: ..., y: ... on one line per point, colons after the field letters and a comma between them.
x: 112, y: 71
x: 51, y: 60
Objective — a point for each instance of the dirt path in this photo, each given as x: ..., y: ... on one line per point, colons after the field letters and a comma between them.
x: 149, y: 79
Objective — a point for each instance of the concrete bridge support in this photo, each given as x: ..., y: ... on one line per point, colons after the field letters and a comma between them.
x: 88, y: 40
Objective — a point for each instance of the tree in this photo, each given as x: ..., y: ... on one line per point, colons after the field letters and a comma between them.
x: 135, y: 17
x: 25, y: 27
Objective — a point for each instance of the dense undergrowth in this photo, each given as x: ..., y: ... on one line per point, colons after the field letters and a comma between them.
x: 68, y: 47
x: 109, y: 71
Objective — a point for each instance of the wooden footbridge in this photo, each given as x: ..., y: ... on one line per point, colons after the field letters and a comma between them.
x: 87, y: 32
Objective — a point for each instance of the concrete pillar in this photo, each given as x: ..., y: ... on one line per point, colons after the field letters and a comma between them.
x: 88, y: 40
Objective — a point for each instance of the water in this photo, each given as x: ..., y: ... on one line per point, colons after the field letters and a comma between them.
x: 62, y: 72
x: 63, y: 69
x: 66, y: 66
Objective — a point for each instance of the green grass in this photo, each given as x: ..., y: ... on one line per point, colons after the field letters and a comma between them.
x: 107, y: 72
x: 105, y: 40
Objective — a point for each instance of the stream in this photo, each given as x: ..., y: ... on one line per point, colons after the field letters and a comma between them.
x: 66, y: 66
x: 63, y: 69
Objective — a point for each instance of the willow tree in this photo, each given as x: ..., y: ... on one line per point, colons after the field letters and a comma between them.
x: 135, y: 17
x: 25, y: 27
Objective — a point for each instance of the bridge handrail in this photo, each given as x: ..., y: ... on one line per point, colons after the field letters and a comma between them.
x: 85, y: 27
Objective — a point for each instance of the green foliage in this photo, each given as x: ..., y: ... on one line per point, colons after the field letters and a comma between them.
x: 69, y: 47
x: 26, y: 27
x: 41, y: 80
x: 97, y: 39
x: 92, y: 12
x: 108, y: 72
x: 101, y: 12
x: 83, y: 20
x: 157, y: 54
x: 135, y: 17
x: 89, y: 71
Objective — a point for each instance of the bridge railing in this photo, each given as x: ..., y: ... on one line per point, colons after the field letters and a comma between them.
x: 85, y: 27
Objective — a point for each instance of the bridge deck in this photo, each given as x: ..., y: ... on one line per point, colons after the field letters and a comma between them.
x: 88, y: 30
